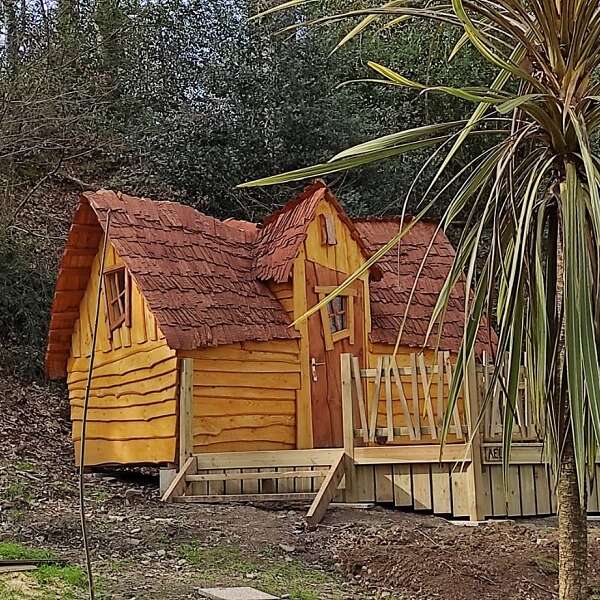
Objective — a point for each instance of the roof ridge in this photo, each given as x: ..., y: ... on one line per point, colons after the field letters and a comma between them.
x: 306, y: 193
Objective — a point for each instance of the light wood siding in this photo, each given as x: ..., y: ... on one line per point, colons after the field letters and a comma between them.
x: 285, y: 294
x: 245, y: 396
x: 132, y: 416
x: 403, y: 359
x: 345, y: 256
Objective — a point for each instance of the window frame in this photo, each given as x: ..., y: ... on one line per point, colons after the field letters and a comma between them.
x: 348, y: 332
x: 328, y: 233
x: 113, y: 296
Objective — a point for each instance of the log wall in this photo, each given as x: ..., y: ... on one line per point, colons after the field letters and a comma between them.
x: 132, y: 416
x: 245, y: 396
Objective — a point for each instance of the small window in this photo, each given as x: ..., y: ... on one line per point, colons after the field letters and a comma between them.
x: 338, y: 313
x: 337, y: 317
x: 328, y: 231
x: 116, y: 290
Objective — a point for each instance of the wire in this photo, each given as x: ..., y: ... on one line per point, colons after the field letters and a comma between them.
x: 84, y: 531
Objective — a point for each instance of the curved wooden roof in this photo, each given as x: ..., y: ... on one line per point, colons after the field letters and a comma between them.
x: 391, y: 294
x: 195, y: 272
x: 205, y: 279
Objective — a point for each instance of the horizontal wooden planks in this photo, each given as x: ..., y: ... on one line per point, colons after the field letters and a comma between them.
x: 132, y: 400
x: 245, y: 397
x: 99, y: 451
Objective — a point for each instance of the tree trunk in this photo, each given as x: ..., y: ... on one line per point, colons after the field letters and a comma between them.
x: 572, y: 532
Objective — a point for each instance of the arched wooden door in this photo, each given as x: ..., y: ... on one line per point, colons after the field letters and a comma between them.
x: 336, y: 329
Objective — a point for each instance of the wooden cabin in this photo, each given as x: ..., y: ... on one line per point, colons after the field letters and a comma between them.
x: 198, y: 369
x: 178, y: 284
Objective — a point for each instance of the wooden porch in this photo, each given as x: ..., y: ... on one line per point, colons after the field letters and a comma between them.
x: 392, y: 418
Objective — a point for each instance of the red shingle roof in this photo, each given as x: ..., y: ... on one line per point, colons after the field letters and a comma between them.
x: 390, y: 295
x: 284, y: 231
x: 194, y: 271
x: 204, y: 279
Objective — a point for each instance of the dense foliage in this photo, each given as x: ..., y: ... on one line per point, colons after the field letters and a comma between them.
x: 184, y: 99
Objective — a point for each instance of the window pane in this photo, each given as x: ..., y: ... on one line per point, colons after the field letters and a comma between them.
x: 337, y: 313
x: 115, y: 290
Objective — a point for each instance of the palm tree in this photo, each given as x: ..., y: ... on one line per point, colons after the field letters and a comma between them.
x: 535, y: 191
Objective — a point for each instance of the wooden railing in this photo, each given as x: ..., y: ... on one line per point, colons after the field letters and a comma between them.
x: 527, y: 427
x: 405, y: 401
x: 396, y: 404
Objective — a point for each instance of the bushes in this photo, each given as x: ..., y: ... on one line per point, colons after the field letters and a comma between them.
x: 25, y: 299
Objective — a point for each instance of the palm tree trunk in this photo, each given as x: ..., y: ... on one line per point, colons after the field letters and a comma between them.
x: 572, y: 531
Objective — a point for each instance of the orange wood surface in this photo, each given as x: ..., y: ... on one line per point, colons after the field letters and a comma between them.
x: 132, y: 414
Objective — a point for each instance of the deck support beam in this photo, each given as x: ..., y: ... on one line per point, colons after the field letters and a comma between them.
x: 178, y: 485
x: 186, y: 415
x: 476, y: 489
x: 327, y: 491
x: 348, y: 428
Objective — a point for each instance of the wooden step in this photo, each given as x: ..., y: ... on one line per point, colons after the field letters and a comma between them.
x: 224, y: 498
x: 256, y: 476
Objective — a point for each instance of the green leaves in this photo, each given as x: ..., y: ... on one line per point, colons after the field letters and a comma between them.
x: 348, y: 162
x: 577, y: 326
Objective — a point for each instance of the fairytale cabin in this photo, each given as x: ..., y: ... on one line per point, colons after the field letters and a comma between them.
x: 178, y: 283
x: 198, y: 369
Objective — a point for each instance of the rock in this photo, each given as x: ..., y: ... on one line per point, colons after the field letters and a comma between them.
x: 287, y: 548
x: 131, y: 495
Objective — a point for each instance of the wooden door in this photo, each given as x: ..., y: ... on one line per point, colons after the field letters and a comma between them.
x: 338, y: 328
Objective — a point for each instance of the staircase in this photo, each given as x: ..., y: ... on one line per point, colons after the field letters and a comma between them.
x: 306, y: 476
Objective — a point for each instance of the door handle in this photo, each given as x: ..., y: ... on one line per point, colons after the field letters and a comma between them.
x: 313, y: 367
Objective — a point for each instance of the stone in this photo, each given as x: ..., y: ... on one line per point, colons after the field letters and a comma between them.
x: 237, y: 593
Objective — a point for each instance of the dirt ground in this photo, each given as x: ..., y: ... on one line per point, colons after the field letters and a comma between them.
x: 143, y: 549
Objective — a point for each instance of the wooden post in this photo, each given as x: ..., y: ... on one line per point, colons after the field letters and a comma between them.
x: 186, y: 393
x: 348, y: 425
x: 475, y: 470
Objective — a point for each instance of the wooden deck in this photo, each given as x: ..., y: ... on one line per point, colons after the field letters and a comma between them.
x: 392, y: 421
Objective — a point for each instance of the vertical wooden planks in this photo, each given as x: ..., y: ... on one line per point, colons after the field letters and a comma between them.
x: 216, y: 488
x: 304, y: 432
x: 374, y: 404
x: 486, y: 492
x: 414, y: 382
x: 360, y: 398
x: 440, y: 388
x: 527, y: 486
x: 389, y: 410
x: 186, y: 392
x: 384, y: 489
x: 497, y: 490
x: 440, y: 489
x: 402, y: 485
x: 461, y: 501
x: 403, y: 402
x: 455, y: 413
x: 233, y: 486
x: 427, y: 392
x: 348, y: 426
x: 475, y: 469
x: 514, y: 492
x: 364, y: 483
x: 421, y: 486
x: 542, y: 490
